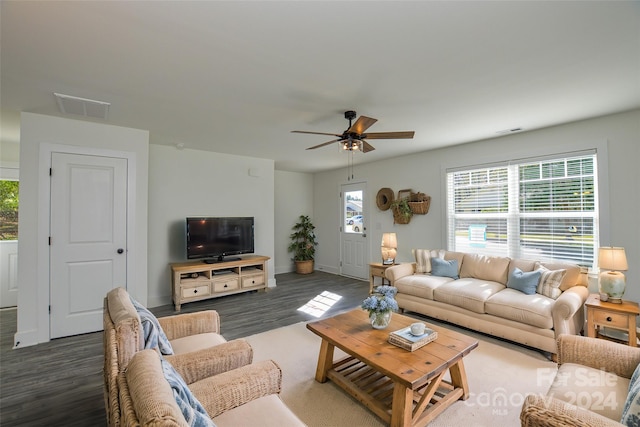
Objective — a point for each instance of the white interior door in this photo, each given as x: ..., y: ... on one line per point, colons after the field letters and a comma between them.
x: 88, y: 254
x: 353, y: 237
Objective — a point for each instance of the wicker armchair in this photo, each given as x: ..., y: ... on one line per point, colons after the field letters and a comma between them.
x: 247, y: 396
x: 200, y: 350
x: 581, y: 379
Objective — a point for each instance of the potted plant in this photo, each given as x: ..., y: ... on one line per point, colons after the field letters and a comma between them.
x: 402, y: 212
x: 303, y: 244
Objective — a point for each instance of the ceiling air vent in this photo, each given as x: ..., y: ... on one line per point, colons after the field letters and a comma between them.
x: 82, y: 107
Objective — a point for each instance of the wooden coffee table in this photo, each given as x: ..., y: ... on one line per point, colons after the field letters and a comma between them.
x: 401, y: 387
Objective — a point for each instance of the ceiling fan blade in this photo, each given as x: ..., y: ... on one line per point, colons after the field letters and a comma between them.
x: 324, y: 143
x: 363, y: 123
x: 389, y: 135
x: 315, y: 133
x: 366, y: 147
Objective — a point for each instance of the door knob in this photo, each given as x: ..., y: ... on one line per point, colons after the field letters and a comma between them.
x: 120, y: 250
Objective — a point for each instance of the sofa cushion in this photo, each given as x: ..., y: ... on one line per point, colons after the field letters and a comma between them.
x: 524, y: 282
x: 485, y: 267
x: 420, y: 285
x: 550, y: 281
x: 523, y: 264
x: 458, y: 256
x: 467, y: 293
x: 423, y: 258
x: 534, y: 310
x: 590, y: 388
x: 267, y: 411
x: 196, y: 342
x: 570, y: 279
x: 444, y: 268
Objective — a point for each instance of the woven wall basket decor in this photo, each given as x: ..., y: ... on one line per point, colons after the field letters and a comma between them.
x: 384, y: 198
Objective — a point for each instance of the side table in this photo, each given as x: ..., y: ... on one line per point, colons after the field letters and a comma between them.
x: 615, y: 316
x: 377, y: 269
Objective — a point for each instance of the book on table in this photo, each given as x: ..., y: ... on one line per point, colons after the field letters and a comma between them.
x: 405, y: 339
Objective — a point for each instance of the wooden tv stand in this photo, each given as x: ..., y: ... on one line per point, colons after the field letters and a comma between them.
x: 197, y: 280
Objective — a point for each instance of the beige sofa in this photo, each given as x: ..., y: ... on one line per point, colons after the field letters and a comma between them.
x: 220, y: 373
x: 480, y: 299
x: 593, y: 374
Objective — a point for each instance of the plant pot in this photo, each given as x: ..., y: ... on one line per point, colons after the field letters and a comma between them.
x: 304, y: 267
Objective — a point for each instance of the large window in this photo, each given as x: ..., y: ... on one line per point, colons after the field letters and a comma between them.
x: 535, y: 209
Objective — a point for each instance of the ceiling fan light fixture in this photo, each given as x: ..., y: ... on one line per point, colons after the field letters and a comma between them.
x: 351, y: 145
x: 353, y: 138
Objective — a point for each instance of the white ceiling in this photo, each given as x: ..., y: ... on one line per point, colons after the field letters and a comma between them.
x: 237, y: 77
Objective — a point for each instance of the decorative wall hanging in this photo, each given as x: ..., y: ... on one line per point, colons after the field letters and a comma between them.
x: 384, y: 198
x: 407, y: 204
x: 419, y: 203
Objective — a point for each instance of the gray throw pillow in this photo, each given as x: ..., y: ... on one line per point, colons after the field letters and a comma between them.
x: 444, y: 268
x: 524, y: 282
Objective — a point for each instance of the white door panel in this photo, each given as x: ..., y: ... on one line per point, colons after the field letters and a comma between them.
x: 8, y: 273
x: 353, y: 237
x: 88, y: 239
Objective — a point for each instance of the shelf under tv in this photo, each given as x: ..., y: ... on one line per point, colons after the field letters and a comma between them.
x: 228, y: 277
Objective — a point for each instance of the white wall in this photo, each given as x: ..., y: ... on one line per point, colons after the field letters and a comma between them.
x: 188, y: 182
x: 9, y: 153
x: 293, y: 197
x: 36, y: 130
x: 617, y: 136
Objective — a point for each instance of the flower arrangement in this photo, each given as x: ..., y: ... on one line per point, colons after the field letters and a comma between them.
x: 380, y: 305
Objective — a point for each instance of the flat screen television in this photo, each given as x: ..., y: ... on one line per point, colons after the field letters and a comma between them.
x: 214, y: 239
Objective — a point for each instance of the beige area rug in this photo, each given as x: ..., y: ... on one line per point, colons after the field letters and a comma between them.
x: 500, y: 375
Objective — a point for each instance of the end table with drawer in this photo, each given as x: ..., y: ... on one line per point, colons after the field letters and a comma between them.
x: 377, y: 269
x: 610, y: 315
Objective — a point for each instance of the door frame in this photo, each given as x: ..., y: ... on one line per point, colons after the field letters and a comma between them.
x: 42, y: 298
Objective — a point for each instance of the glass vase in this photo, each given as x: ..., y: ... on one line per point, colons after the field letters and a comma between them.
x: 380, y: 320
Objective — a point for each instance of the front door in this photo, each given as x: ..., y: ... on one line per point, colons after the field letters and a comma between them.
x: 88, y: 254
x: 354, y: 231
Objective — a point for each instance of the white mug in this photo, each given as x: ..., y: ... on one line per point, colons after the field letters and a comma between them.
x: 417, y: 328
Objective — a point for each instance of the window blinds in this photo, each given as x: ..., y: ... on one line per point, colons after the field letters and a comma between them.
x: 536, y: 209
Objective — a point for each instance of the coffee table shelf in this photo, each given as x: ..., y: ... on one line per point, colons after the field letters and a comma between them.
x: 403, y: 388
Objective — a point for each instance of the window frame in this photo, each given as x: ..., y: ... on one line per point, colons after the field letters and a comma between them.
x: 512, y: 217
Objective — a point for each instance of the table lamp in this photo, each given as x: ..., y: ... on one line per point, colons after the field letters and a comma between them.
x: 389, y: 246
x: 612, y: 281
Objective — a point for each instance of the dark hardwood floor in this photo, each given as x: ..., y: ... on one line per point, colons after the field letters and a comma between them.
x: 59, y: 383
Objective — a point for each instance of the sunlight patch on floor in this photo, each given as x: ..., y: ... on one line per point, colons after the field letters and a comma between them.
x: 320, y: 304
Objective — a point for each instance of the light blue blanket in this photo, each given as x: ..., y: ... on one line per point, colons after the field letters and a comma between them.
x: 154, y: 336
x: 191, y: 408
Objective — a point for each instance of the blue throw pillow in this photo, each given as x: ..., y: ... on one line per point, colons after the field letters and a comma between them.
x: 524, y: 282
x: 191, y: 408
x: 154, y: 336
x: 444, y: 268
x: 631, y: 410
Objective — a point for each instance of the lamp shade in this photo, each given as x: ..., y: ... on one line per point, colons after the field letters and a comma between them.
x: 389, y: 240
x: 611, y: 258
